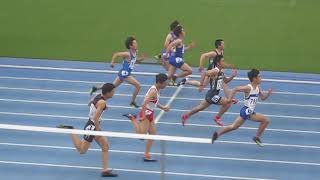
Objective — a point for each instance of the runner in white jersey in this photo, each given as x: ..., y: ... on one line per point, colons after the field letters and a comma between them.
x: 146, y: 115
x: 97, y: 106
x: 252, y: 93
x: 130, y: 58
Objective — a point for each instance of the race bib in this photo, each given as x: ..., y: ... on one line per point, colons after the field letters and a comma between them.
x: 179, y: 60
x: 124, y: 73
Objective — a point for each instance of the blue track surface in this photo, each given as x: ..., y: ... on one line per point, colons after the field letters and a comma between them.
x: 41, y: 97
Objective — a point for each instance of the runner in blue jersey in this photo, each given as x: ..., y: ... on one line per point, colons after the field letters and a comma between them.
x: 169, y: 39
x: 252, y: 92
x: 176, y: 59
x: 129, y: 60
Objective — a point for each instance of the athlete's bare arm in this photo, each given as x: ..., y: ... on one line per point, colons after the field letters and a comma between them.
x: 205, y: 56
x: 190, y: 46
x: 246, y: 89
x: 167, y: 41
x: 101, y: 104
x: 210, y: 73
x: 119, y: 54
x: 264, y: 96
x: 233, y: 75
x: 152, y: 95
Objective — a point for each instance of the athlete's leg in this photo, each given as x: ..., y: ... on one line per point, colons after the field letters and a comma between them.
x: 226, y: 89
x: 103, y: 143
x: 235, y: 125
x: 165, y: 64
x: 171, y: 71
x: 197, y: 83
x: 225, y: 105
x: 203, y: 105
x: 117, y: 81
x: 152, y: 130
x: 186, y: 70
x: 81, y: 146
x: 136, y: 84
x: 264, y: 121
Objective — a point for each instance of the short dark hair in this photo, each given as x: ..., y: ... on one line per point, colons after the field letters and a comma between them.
x: 129, y: 42
x: 173, y: 25
x: 218, y: 43
x: 217, y: 59
x: 253, y: 74
x: 107, y: 87
x: 177, y: 31
x: 161, y: 78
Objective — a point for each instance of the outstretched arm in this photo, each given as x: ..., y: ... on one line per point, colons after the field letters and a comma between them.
x: 264, y: 96
x: 167, y: 41
x: 233, y: 75
x: 141, y: 58
x: 173, y: 45
x: 246, y: 89
x: 209, y: 73
x: 190, y: 46
x: 118, y: 54
x: 205, y: 56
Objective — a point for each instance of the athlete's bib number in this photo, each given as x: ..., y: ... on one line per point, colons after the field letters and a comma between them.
x: 179, y: 60
x: 124, y: 73
x: 219, y: 84
x: 215, y: 98
x: 90, y: 127
x: 248, y: 111
x: 132, y: 63
x: 253, y: 101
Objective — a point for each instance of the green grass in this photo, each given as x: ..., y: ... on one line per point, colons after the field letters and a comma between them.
x: 278, y: 35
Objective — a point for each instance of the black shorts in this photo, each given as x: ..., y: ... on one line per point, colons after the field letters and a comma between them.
x: 212, y: 97
x: 91, y: 127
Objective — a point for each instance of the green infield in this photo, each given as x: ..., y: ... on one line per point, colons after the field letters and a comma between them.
x: 277, y: 35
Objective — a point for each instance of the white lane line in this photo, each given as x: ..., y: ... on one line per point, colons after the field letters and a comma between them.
x: 173, y: 97
x: 144, y: 85
x: 140, y: 136
x: 168, y: 154
x: 165, y: 97
x: 142, y: 73
x: 128, y: 170
x: 127, y: 107
x: 166, y: 123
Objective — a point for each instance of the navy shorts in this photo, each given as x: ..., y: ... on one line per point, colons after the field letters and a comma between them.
x: 212, y: 97
x: 90, y: 127
x: 176, y: 61
x: 246, y: 112
x: 124, y: 73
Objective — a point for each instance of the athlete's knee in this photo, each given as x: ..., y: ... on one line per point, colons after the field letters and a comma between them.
x: 105, y: 148
x: 138, y: 86
x: 188, y: 71
x: 82, y: 151
x: 266, y: 121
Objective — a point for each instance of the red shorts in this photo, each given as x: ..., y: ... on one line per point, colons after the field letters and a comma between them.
x: 149, y: 115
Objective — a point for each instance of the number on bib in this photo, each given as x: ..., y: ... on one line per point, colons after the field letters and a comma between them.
x: 124, y: 73
x: 179, y: 59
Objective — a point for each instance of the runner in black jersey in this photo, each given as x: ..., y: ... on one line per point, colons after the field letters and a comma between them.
x: 97, y: 107
x: 217, y: 79
x: 211, y: 55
